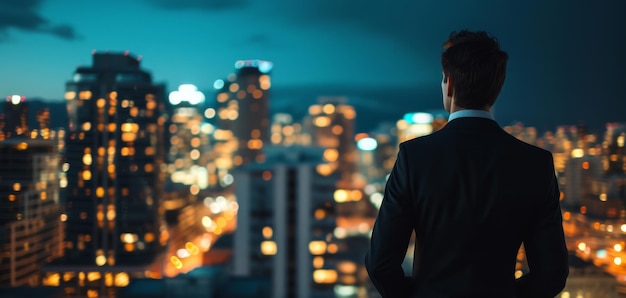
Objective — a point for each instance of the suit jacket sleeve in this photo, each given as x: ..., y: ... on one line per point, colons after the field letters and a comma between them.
x: 545, y: 247
x: 391, y: 234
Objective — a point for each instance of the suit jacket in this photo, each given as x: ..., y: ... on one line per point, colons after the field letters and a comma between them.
x: 473, y: 194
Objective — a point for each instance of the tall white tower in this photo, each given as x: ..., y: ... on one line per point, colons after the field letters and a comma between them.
x: 285, y: 223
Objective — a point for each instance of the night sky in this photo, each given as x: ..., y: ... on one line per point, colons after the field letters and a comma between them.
x: 567, y: 58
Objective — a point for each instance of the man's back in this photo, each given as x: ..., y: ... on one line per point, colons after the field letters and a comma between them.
x: 474, y: 193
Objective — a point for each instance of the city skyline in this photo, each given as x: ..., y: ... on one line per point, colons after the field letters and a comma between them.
x: 562, y: 56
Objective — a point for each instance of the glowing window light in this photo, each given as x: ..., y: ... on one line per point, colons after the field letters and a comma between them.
x: 617, y: 261
x: 578, y: 153
x: 86, y: 126
x: 269, y: 248
x: 319, y: 214
x: 315, y: 109
x: 324, y: 169
x: 341, y: 195
x: 87, y: 175
x: 318, y: 262
x: 321, y: 121
x: 325, y: 276
x: 218, y: 84
x: 188, y: 93
x: 129, y: 237
x: 328, y: 108
x: 101, y: 260
x: 317, y: 247
x: 265, y: 66
x: 234, y: 87
x: 69, y: 95
x: 347, y: 267
x: 337, y: 129
x: 367, y: 144
x: 332, y: 248
x: 331, y: 154
x: 267, y: 232
x: 122, y: 279
x: 87, y: 159
x: 349, y: 113
x: 17, y: 186
x: 345, y: 291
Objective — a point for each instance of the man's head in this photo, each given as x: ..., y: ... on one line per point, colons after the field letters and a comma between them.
x: 474, y: 68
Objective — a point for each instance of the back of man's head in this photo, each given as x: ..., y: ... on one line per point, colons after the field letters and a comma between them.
x: 476, y: 67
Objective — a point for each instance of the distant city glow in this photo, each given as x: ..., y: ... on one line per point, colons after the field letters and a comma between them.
x: 15, y: 99
x: 418, y: 118
x: 218, y: 84
x: 367, y: 144
x: 188, y: 93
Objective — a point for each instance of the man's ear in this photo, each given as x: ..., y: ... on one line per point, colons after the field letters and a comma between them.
x: 450, y: 90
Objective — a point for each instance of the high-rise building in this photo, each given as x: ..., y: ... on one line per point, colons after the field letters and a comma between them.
x: 31, y: 233
x: 15, y: 117
x: 332, y: 126
x: 243, y: 109
x: 285, y: 223
x: 114, y: 155
x: 287, y: 133
x: 189, y: 148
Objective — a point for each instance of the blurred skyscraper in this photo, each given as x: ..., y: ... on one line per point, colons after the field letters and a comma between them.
x: 243, y: 109
x: 285, y: 223
x: 31, y: 231
x: 15, y: 117
x: 114, y: 154
x: 332, y: 125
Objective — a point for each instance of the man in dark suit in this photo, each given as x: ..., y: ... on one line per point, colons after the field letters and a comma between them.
x: 472, y: 194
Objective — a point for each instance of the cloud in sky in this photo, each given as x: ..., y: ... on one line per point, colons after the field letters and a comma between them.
x: 199, y: 4
x: 24, y: 15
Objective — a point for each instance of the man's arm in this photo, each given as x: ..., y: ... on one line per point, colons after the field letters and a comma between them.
x: 545, y: 247
x: 391, y: 234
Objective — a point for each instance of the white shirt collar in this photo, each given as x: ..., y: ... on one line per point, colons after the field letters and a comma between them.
x: 470, y: 113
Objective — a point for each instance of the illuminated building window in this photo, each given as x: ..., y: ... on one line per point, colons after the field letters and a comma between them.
x: 322, y: 276
x: 321, y: 121
x: 222, y: 97
x: 84, y: 95
x: 86, y: 126
x: 328, y: 108
x: 69, y: 95
x: 17, y: 186
x: 332, y: 248
x: 148, y: 237
x: 257, y: 94
x: 83, y: 215
x: 337, y: 129
x: 317, y: 247
x: 319, y: 214
x: 268, y: 248
x: 341, y: 196
x: 267, y: 232
x: 234, y: 87
x: 87, y: 159
x: 318, y: 262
